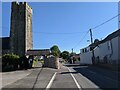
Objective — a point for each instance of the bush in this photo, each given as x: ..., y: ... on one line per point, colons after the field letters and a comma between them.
x: 10, y: 62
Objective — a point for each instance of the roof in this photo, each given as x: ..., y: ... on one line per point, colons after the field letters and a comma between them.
x: 77, y: 55
x: 5, y: 43
x: 112, y: 35
x: 38, y: 52
x: 109, y: 37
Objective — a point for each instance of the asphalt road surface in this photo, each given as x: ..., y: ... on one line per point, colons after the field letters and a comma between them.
x: 38, y: 78
x: 68, y: 77
x: 95, y: 77
x: 64, y: 79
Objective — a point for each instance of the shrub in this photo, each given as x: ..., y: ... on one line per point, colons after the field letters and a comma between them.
x: 10, y: 61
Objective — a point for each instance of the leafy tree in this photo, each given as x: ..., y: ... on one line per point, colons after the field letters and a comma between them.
x: 72, y: 54
x: 55, y: 51
x: 65, y: 55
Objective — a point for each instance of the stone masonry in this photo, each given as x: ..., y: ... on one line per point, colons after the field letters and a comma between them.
x: 21, y: 28
x: 52, y: 62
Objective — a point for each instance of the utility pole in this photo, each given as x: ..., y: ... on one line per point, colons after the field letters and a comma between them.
x: 91, y: 36
x: 72, y: 50
x: 93, y: 56
x: 72, y: 56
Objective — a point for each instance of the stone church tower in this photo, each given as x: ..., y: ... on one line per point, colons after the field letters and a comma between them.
x: 21, y: 28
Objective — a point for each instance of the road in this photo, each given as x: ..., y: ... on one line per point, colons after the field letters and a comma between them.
x: 63, y: 79
x: 68, y: 77
x: 95, y: 77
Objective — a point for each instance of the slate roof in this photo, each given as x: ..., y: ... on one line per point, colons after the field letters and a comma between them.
x: 38, y: 52
x: 109, y: 37
x: 112, y: 35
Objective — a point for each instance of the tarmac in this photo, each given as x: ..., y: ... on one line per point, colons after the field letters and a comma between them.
x: 38, y: 78
x: 69, y: 76
x: 64, y: 80
x: 29, y: 79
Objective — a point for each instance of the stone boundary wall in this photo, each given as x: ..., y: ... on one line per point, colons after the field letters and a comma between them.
x: 52, y: 62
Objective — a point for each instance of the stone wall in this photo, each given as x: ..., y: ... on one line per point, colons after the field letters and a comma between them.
x: 52, y: 62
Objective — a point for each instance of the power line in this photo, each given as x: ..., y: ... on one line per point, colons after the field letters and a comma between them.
x: 97, y: 27
x: 6, y: 28
x: 59, y: 33
x: 79, y: 32
x: 105, y: 22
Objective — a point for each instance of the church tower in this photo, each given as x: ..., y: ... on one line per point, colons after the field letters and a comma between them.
x: 21, y: 28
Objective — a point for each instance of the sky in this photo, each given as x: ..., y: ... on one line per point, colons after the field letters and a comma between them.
x: 66, y: 24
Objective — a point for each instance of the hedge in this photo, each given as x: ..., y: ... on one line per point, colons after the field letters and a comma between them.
x: 10, y: 62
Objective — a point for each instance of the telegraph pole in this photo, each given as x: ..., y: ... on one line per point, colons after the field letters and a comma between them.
x: 91, y: 36
x: 72, y: 50
x: 93, y: 56
x: 72, y: 56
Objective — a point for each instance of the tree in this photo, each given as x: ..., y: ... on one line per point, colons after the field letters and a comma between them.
x: 65, y: 55
x: 55, y: 51
x: 72, y: 54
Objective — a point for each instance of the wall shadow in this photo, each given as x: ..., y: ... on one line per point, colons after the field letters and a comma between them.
x: 101, y: 77
x: 69, y: 72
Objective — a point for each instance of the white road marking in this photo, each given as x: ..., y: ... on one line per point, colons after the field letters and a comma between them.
x: 51, y: 81
x: 74, y: 79
x: 87, y: 80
